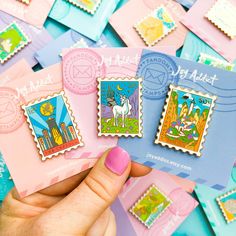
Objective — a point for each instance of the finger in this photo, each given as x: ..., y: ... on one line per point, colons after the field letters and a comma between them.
x: 101, y: 224
x: 65, y: 186
x: 93, y: 196
x: 37, y: 199
x: 139, y: 170
x: 111, y: 228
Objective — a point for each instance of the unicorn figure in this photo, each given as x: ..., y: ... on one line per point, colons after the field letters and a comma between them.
x: 123, y: 110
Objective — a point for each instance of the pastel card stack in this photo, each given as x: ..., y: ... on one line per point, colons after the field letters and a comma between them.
x: 52, y: 52
x: 196, y: 20
x: 200, y: 78
x: 222, y: 220
x: 150, y: 24
x: 34, y: 13
x: 37, y: 39
x: 169, y: 204
x: 92, y: 25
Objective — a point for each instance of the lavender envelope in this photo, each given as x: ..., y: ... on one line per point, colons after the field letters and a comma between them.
x: 50, y: 54
x: 38, y: 39
x: 218, y: 154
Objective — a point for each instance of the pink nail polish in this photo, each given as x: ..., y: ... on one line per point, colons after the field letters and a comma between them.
x: 117, y: 160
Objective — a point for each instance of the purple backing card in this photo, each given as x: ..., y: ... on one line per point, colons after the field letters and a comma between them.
x: 38, y: 39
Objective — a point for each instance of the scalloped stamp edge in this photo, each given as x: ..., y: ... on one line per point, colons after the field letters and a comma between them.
x: 171, y: 87
x: 140, y: 80
x: 163, y: 36
x: 84, y: 8
x: 131, y: 209
x: 79, y: 137
x: 218, y: 200
x: 231, y: 36
x: 18, y: 49
x: 224, y: 64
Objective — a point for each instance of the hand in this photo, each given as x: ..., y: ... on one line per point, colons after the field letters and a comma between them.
x: 76, y: 206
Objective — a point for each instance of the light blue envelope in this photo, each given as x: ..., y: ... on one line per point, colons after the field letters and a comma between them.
x: 186, y: 3
x: 207, y: 198
x: 6, y: 184
x: 213, y: 168
x: 194, y: 46
x: 51, y: 53
x: 79, y: 20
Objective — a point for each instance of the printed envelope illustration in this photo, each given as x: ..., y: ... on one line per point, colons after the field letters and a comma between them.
x: 6, y: 109
x: 80, y: 71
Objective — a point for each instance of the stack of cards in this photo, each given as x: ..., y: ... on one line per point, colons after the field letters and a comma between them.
x: 173, y: 114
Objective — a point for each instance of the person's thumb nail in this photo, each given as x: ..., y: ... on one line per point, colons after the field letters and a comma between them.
x: 117, y: 160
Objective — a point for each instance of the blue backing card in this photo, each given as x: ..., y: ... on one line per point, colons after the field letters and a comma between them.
x: 220, y: 141
x: 207, y: 198
x: 50, y: 54
x: 92, y: 26
x: 6, y: 184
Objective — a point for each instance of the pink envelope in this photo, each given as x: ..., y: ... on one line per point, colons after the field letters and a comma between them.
x: 182, y: 203
x: 123, y: 22
x: 196, y: 21
x: 17, y: 143
x: 81, y: 67
x: 35, y: 13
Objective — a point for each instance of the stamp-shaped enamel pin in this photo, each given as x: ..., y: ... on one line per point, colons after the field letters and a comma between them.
x: 52, y: 124
x: 12, y: 40
x: 90, y: 6
x: 155, y: 26
x: 185, y: 120
x: 227, y: 204
x: 222, y: 15
x: 120, y: 107
x: 150, y: 206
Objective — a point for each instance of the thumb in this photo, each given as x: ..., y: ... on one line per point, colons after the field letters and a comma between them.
x: 76, y: 213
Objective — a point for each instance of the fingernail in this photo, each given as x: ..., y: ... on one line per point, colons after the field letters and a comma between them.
x: 117, y: 160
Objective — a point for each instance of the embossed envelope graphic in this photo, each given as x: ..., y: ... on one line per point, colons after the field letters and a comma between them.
x: 12, y: 128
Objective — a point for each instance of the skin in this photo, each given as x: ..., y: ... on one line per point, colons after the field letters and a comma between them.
x: 74, y: 207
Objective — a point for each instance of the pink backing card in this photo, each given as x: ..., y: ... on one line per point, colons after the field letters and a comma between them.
x: 115, y: 62
x: 122, y: 21
x: 196, y: 21
x: 16, y: 71
x: 21, y: 155
x: 185, y: 184
x: 182, y: 203
x: 35, y: 13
